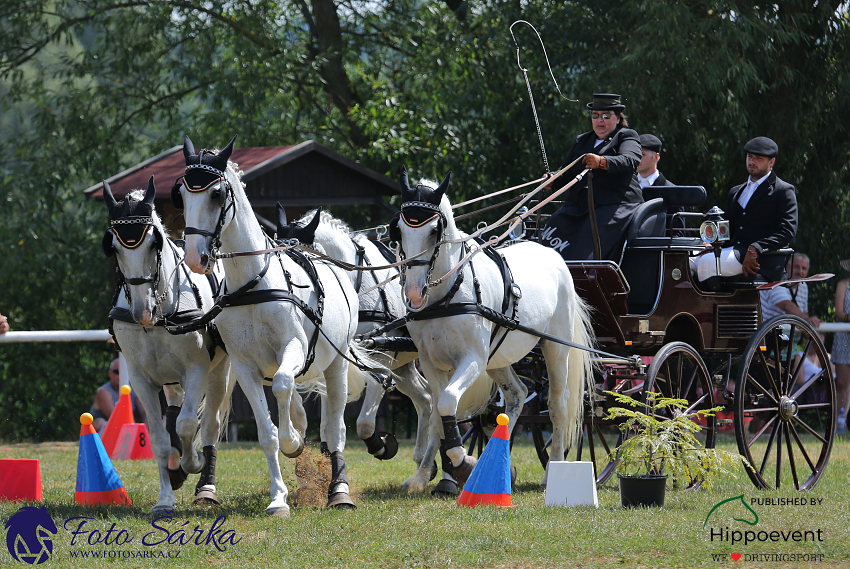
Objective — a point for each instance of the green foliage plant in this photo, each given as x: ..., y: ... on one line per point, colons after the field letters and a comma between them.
x: 658, y: 446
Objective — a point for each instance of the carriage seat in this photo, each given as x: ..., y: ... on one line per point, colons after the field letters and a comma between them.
x: 676, y: 195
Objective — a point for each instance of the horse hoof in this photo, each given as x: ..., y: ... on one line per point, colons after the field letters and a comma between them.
x: 390, y: 446
x: 297, y: 452
x: 278, y: 512
x: 445, y: 488
x: 177, y: 476
x: 434, y: 470
x: 341, y: 501
x: 206, y: 498
x: 158, y: 511
x: 464, y: 471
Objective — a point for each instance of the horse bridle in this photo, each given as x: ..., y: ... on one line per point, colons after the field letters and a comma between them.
x: 441, y: 224
x: 223, y: 204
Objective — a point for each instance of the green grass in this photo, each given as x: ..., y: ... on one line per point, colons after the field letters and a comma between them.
x: 392, y: 529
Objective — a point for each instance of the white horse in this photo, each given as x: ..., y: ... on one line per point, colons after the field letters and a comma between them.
x: 457, y: 343
x: 156, y: 287
x: 377, y: 307
x: 283, y: 319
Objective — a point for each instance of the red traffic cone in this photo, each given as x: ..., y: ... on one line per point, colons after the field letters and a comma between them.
x: 122, y: 414
x: 20, y: 479
x: 134, y: 443
x: 97, y: 481
x: 490, y: 481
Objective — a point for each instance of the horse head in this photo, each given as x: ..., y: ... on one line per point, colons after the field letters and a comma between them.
x: 135, y: 236
x: 419, y: 227
x: 304, y: 231
x: 204, y: 190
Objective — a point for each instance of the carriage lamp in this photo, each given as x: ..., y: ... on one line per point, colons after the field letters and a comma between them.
x: 723, y: 231
x: 708, y: 231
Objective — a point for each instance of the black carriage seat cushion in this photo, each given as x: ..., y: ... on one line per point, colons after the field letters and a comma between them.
x: 676, y: 195
x: 650, y: 220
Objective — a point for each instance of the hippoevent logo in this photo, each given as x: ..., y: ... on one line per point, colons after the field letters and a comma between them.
x: 28, y: 534
x: 738, y: 509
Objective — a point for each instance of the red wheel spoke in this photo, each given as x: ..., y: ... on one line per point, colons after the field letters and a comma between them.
x: 786, y: 378
x: 808, y: 384
x: 814, y: 405
x: 762, y: 430
x: 761, y: 410
x: 779, y: 457
x: 769, y: 447
x: 697, y: 402
x: 679, y: 376
x: 803, y: 356
x: 800, y: 445
x: 810, y: 430
x: 769, y: 374
x: 752, y: 380
x: 791, y: 459
x: 603, y: 441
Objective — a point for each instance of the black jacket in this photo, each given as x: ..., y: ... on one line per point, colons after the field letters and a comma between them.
x: 769, y: 222
x: 617, y: 184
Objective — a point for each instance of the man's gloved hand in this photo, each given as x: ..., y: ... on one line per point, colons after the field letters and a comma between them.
x: 595, y: 162
x: 751, y: 262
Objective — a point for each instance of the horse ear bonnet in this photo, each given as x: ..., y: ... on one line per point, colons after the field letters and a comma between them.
x: 200, y: 179
x: 421, y: 204
x: 137, y: 218
x: 108, y: 249
x: 305, y: 234
x: 176, y: 198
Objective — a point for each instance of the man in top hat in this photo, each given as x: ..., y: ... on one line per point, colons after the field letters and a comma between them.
x: 611, y: 151
x: 762, y: 216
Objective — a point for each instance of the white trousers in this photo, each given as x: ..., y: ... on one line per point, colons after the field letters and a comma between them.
x: 706, y: 266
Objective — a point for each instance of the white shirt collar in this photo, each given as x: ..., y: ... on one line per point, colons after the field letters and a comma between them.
x: 748, y: 192
x: 644, y: 182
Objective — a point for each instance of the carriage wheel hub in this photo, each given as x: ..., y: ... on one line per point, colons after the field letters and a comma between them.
x: 787, y: 408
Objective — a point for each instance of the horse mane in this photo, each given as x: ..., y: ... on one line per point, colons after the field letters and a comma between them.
x: 234, y: 174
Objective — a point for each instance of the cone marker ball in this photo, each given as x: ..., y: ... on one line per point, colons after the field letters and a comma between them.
x: 126, y: 389
x: 502, y: 419
x: 86, y: 419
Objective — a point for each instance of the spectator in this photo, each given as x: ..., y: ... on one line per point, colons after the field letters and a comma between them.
x: 841, y: 349
x: 106, y: 397
x: 4, y: 324
x: 790, y: 299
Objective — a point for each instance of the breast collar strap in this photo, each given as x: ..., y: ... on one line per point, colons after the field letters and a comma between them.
x: 444, y: 308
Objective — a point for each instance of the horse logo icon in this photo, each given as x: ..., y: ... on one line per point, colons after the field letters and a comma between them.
x: 740, y: 499
x: 28, y: 535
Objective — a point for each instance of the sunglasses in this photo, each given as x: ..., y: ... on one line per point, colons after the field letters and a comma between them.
x: 597, y: 116
x: 113, y: 370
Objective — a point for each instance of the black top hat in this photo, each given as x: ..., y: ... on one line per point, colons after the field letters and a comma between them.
x: 606, y: 102
x: 650, y: 142
x: 762, y: 146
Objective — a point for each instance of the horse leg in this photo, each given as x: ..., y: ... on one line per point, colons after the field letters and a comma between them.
x: 375, y: 444
x: 336, y: 379
x: 174, y: 395
x: 425, y: 472
x: 467, y: 371
x: 194, y: 384
x: 214, y: 411
x: 283, y: 386
x: 148, y: 394
x: 250, y: 380
x: 323, y: 425
x: 412, y: 384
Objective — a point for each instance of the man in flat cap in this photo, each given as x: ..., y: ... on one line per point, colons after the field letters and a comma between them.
x: 762, y: 216
x: 647, y: 170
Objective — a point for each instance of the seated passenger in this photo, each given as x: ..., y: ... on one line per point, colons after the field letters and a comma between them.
x: 762, y: 216
x: 612, y: 152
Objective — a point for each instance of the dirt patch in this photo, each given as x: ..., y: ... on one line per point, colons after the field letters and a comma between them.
x: 313, y: 471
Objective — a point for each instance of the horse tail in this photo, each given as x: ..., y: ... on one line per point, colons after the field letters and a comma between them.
x: 580, y: 370
x: 363, y: 371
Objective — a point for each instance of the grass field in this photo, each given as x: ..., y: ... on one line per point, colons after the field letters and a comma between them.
x: 392, y: 529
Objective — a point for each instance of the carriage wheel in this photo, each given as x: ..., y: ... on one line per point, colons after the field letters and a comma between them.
x: 596, y: 444
x: 788, y: 407
x: 678, y: 371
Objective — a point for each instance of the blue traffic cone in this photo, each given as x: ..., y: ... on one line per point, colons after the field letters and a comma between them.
x: 97, y: 480
x: 490, y: 481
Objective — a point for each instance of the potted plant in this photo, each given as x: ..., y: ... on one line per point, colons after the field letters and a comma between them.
x: 656, y: 447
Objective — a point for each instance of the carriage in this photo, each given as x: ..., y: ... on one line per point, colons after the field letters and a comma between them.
x: 663, y: 333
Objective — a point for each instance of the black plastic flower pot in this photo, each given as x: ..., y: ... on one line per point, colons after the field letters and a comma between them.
x: 647, y: 491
